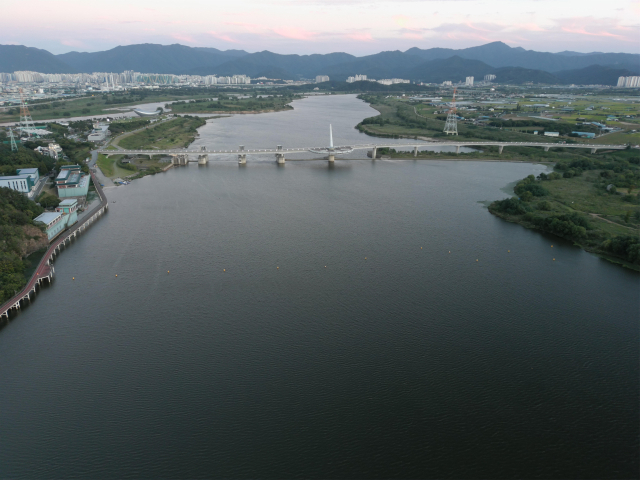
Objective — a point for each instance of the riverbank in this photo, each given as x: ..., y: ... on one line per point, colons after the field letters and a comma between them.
x: 44, y: 270
x: 594, y: 204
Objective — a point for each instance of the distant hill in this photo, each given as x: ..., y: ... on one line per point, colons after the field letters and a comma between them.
x: 499, y: 54
x: 18, y: 57
x: 457, y: 69
x: 294, y: 66
x: 434, y: 65
x: 595, y: 75
x: 149, y: 58
x: 393, y: 64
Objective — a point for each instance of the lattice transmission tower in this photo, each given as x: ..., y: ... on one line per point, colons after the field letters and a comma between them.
x: 451, y: 125
x: 26, y: 122
x: 14, y: 146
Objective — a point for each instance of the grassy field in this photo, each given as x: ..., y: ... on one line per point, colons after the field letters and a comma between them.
x: 97, y: 104
x: 176, y: 133
x: 403, y: 117
x: 234, y: 104
x: 592, y: 202
x: 106, y: 164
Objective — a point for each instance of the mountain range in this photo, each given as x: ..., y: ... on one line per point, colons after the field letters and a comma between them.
x: 509, y: 64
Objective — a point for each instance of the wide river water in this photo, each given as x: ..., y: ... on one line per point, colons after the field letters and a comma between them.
x: 369, y: 320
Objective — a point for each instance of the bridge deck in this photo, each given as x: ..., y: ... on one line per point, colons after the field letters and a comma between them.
x: 273, y: 151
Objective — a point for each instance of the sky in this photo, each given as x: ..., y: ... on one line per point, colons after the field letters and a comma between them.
x: 359, y: 27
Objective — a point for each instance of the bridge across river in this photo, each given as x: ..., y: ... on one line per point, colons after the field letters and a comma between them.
x: 181, y: 156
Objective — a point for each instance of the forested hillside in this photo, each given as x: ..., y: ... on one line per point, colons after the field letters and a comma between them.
x: 18, y: 237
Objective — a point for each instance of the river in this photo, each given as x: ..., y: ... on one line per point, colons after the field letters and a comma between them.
x: 368, y: 320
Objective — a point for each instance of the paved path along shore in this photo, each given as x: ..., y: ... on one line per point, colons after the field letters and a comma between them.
x: 45, y: 270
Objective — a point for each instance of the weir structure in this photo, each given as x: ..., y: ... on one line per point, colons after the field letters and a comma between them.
x: 44, y: 272
x: 187, y: 155
x: 202, y: 154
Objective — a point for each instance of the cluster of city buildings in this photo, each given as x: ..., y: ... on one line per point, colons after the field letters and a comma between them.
x: 114, y: 80
x: 469, y: 81
x: 629, y: 82
x: 363, y: 78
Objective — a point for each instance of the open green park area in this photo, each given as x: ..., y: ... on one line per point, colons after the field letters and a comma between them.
x: 590, y: 199
x: 176, y: 133
x: 235, y: 104
x: 99, y: 103
x: 121, y: 166
x: 509, y: 120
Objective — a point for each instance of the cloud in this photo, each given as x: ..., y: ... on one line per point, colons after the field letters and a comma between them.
x: 183, y: 38
x: 222, y: 36
x: 360, y: 37
x: 295, y: 33
x: 73, y: 43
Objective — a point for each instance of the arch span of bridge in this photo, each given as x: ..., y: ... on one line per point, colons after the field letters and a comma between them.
x: 182, y: 156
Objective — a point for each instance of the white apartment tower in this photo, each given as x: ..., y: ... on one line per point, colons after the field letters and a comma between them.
x: 469, y: 82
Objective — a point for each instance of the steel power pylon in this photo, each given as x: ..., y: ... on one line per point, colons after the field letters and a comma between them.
x: 26, y: 122
x: 451, y: 125
x: 14, y: 146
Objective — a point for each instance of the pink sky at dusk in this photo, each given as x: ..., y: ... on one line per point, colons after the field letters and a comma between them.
x: 359, y: 27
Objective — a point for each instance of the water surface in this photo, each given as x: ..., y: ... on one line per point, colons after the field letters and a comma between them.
x: 370, y: 320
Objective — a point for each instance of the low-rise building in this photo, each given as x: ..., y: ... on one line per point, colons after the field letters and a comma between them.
x: 69, y: 206
x: 552, y: 134
x: 585, y: 134
x: 71, y: 182
x: 19, y: 183
x: 32, y: 172
x: 322, y: 78
x: 66, y: 214
x: 54, y: 223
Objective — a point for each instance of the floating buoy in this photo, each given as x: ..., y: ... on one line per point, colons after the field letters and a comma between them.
x: 116, y: 274
x: 449, y: 251
x: 554, y: 259
x: 420, y: 248
x: 508, y: 251
x: 278, y: 268
x: 365, y: 258
x: 476, y: 259
x: 224, y: 269
x: 551, y: 246
x: 325, y: 266
x: 74, y: 278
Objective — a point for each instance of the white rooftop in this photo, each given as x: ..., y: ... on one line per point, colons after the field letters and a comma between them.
x: 47, y: 217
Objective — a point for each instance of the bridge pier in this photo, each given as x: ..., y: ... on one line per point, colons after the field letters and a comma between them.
x: 242, y: 157
x: 203, y: 158
x: 546, y: 149
x: 374, y: 152
x: 415, y: 151
x: 457, y: 149
x: 279, y: 156
x: 594, y: 150
x: 500, y: 147
x: 331, y: 158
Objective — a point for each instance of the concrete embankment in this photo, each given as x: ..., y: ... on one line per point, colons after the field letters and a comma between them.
x: 44, y: 272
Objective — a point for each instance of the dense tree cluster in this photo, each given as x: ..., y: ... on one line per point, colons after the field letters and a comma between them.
x: 15, y: 212
x: 627, y: 247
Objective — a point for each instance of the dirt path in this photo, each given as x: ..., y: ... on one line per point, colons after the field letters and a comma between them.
x: 597, y: 215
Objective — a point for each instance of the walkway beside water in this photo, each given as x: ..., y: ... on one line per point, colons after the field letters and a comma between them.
x: 45, y: 270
